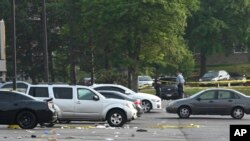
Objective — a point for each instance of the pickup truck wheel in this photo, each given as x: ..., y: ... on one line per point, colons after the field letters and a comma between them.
x: 116, y: 118
x: 26, y: 120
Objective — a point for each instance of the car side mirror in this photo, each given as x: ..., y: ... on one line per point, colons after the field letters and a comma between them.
x: 96, y: 98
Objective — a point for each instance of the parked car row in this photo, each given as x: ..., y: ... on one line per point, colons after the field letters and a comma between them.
x: 82, y: 103
x: 46, y: 103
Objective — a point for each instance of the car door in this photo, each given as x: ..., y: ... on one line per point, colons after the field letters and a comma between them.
x: 226, y: 100
x: 63, y: 98
x: 206, y: 103
x: 87, y: 107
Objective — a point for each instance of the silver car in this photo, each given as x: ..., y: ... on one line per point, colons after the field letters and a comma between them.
x: 214, y: 101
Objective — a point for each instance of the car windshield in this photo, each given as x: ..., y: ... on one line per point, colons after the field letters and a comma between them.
x: 128, y: 91
x: 211, y: 74
x: 145, y: 78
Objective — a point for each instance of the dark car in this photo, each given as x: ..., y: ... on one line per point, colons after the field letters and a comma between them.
x: 168, y: 88
x: 237, y: 78
x: 214, y: 101
x: 24, y: 110
x: 118, y: 95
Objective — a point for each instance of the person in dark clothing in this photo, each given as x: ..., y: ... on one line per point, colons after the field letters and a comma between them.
x: 157, y: 87
x: 180, y: 83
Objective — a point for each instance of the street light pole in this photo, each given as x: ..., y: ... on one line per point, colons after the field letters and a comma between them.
x: 45, y: 43
x: 14, y: 42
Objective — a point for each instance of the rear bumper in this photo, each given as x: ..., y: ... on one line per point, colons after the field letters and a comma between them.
x: 131, y: 114
x: 47, y: 116
x: 169, y: 95
x: 140, y: 111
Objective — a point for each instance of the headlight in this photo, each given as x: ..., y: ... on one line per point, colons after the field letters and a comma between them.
x: 156, y: 100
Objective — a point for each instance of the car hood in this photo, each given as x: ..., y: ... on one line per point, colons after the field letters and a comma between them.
x: 183, y: 100
x: 145, y: 96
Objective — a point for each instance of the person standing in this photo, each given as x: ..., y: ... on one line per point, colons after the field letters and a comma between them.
x: 180, y: 83
x: 156, y: 85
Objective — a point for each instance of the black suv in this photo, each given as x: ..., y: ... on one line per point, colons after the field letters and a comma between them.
x: 167, y: 88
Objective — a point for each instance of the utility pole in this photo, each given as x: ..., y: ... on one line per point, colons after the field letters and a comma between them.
x: 45, y: 43
x: 3, y: 68
x: 13, y: 43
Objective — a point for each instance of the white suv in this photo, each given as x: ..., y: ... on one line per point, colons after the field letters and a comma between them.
x: 81, y: 103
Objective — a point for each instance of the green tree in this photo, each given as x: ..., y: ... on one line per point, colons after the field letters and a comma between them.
x: 140, y: 31
x: 217, y: 26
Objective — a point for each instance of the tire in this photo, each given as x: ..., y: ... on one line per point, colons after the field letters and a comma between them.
x: 184, y: 112
x: 237, y: 113
x: 26, y: 120
x: 47, y: 124
x: 147, y: 106
x: 116, y: 118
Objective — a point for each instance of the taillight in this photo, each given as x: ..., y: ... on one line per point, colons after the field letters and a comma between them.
x: 50, y: 105
x: 137, y: 102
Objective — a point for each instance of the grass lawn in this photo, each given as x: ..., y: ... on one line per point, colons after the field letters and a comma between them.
x: 193, y: 90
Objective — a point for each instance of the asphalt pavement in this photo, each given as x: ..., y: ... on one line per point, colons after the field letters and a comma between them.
x: 155, y: 126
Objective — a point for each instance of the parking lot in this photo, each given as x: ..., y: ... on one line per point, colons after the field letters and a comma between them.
x: 157, y: 125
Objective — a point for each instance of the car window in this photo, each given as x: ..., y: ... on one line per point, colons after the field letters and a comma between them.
x: 39, y: 92
x: 211, y: 74
x: 20, y: 86
x: 63, y: 93
x: 111, y: 95
x: 145, y: 78
x: 10, y: 96
x: 84, y: 94
x: 225, y: 95
x: 208, y: 95
x: 110, y: 88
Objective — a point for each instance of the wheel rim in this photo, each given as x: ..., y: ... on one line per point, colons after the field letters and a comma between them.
x: 116, y: 118
x: 238, y: 113
x: 26, y: 119
x: 184, y: 112
x: 146, y: 106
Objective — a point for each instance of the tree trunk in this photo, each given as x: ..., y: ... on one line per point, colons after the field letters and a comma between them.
x: 92, y: 65
x: 72, y: 65
x: 51, y: 67
x: 129, y: 78
x: 134, y: 80
x: 203, y: 64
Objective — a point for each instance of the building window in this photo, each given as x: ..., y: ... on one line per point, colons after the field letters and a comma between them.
x: 240, y: 48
